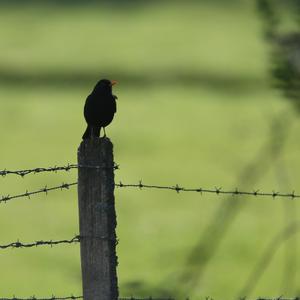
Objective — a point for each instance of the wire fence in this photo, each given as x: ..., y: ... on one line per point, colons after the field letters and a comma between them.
x: 25, y: 172
x: 79, y: 297
x: 140, y: 186
x: 149, y: 298
x: 217, y: 191
x: 133, y: 298
x: 51, y: 243
x: 75, y: 239
x: 50, y: 298
x: 176, y: 188
x: 279, y: 298
x: 45, y: 190
x: 54, y: 169
x: 275, y: 298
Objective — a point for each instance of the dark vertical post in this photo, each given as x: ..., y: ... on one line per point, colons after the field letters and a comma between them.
x: 97, y: 219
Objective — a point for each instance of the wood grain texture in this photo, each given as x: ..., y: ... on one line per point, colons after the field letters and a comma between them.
x: 97, y: 219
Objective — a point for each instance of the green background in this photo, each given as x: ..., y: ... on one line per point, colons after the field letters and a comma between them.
x: 195, y: 108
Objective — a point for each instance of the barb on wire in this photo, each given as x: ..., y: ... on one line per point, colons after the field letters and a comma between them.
x: 129, y: 298
x: 279, y: 298
x: 54, y: 169
x: 176, y: 188
x: 25, y: 172
x: 149, y: 298
x: 78, y: 297
x: 51, y: 243
x: 45, y: 190
x: 51, y: 298
x: 75, y: 239
x: 216, y: 190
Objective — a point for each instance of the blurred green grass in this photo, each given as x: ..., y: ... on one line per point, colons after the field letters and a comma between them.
x: 89, y: 40
x: 194, y: 108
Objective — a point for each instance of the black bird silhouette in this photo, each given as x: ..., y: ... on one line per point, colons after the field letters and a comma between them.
x: 99, y: 109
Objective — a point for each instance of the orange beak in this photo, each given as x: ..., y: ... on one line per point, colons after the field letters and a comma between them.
x: 113, y: 82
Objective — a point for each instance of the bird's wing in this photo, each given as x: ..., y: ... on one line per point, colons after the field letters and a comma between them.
x: 115, y: 103
x: 87, y: 106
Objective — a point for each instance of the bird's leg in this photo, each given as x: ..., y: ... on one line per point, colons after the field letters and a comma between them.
x: 104, y: 132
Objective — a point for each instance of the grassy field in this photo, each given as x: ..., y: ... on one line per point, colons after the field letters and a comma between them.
x: 194, y: 108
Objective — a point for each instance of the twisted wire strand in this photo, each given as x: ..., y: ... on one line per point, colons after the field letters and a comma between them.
x: 279, y: 298
x: 78, y: 297
x: 51, y: 298
x: 54, y: 169
x: 132, y: 298
x: 216, y: 190
x: 148, y: 298
x: 45, y: 190
x: 75, y: 239
x: 51, y: 243
x: 176, y: 188
x: 25, y: 172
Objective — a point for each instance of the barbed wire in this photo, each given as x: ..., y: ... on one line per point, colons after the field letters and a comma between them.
x: 245, y: 298
x: 75, y: 239
x: 279, y: 298
x: 149, y: 298
x: 51, y: 243
x: 45, y: 190
x: 25, y: 172
x: 51, y: 298
x: 176, y: 188
x: 132, y: 298
x: 216, y: 190
x: 54, y: 169
x: 79, y: 297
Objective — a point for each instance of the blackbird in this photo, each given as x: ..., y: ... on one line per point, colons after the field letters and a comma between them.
x: 99, y: 109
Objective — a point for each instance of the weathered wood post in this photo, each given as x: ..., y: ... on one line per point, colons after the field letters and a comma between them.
x: 97, y: 219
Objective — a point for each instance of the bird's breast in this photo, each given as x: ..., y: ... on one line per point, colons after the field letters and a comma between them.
x: 99, y: 110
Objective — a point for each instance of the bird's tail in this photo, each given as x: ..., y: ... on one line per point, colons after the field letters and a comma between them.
x: 91, y: 131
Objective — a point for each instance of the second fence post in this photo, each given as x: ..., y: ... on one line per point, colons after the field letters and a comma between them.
x: 97, y: 219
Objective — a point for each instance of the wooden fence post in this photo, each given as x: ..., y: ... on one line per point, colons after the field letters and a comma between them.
x: 97, y: 219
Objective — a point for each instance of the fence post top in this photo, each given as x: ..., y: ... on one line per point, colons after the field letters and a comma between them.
x: 95, y: 142
x: 92, y: 147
